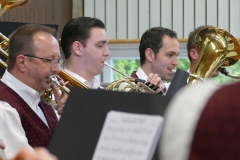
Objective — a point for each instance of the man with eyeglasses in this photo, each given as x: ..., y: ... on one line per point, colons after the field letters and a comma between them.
x: 25, y: 121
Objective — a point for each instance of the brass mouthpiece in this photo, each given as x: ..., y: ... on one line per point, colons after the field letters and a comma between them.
x: 53, y: 79
x: 191, y: 75
x: 125, y: 75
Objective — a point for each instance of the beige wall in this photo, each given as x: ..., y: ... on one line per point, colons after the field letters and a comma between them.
x: 128, y: 19
x: 77, y: 8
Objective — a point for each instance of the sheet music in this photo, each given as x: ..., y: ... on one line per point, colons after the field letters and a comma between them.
x: 128, y: 136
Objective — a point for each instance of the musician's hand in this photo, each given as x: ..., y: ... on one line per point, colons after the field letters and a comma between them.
x: 2, y: 145
x: 2, y: 154
x: 38, y: 153
x: 155, y: 82
x: 60, y: 98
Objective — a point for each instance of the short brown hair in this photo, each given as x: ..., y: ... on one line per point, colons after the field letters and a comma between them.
x: 21, y: 41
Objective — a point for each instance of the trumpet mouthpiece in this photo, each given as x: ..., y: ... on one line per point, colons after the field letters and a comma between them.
x: 53, y: 80
x: 174, y: 71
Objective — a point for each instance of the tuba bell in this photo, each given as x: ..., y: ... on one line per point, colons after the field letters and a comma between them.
x: 217, y: 48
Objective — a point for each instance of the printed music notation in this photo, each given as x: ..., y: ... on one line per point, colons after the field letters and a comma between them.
x: 128, y: 136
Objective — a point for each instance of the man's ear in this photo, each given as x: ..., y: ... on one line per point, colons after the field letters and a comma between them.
x: 194, y: 54
x: 21, y: 63
x: 77, y: 48
x: 149, y: 54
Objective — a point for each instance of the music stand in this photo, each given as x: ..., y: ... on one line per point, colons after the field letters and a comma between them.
x: 80, y: 125
x: 179, y: 80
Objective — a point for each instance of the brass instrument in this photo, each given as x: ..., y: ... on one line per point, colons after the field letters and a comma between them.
x: 4, y: 5
x: 3, y: 49
x: 216, y: 48
x: 68, y: 80
x: 48, y: 98
x: 9, y: 4
x: 130, y: 82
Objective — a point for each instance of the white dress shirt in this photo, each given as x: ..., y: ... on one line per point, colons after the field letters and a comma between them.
x: 12, y: 131
x: 95, y: 85
x: 141, y: 74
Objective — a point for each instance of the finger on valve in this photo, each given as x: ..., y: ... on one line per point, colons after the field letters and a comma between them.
x: 60, y: 98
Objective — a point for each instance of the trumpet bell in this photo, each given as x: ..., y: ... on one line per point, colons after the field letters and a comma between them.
x: 9, y: 4
x: 47, y: 95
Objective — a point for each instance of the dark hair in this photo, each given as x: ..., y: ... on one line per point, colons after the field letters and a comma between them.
x: 21, y: 41
x: 152, y: 38
x: 78, y: 29
x: 191, y: 40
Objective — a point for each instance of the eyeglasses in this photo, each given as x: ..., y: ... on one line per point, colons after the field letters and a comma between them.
x: 52, y: 62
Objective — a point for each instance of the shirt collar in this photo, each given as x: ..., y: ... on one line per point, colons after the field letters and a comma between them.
x: 28, y: 94
x: 141, y: 74
x: 95, y: 84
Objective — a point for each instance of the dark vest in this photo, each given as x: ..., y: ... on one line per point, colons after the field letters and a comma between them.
x: 134, y: 75
x: 37, y: 133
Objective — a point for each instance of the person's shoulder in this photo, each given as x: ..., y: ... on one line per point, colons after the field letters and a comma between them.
x: 4, y: 106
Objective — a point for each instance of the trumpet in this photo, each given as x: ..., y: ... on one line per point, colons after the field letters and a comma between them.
x: 70, y: 81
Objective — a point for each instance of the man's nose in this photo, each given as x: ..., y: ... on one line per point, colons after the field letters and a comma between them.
x: 107, y: 52
x: 56, y: 68
x: 175, y: 61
